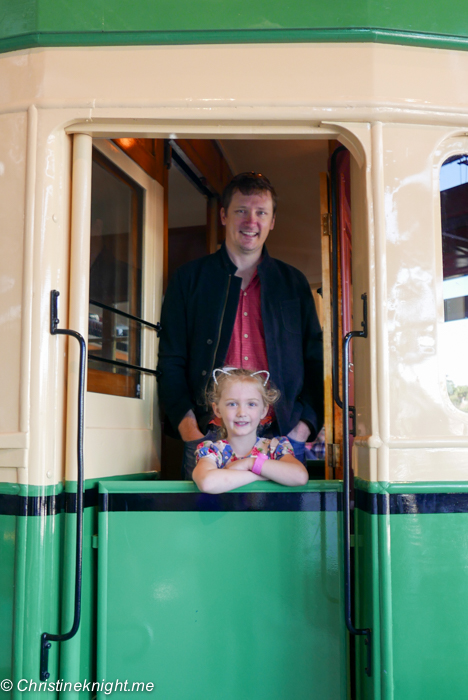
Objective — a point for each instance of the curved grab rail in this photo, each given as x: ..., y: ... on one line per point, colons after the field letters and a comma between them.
x: 346, y: 494
x: 46, y: 637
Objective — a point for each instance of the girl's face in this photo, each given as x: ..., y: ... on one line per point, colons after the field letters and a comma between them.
x: 241, y: 408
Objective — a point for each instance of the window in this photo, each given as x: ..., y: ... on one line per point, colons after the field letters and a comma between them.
x: 454, y: 210
x: 115, y: 281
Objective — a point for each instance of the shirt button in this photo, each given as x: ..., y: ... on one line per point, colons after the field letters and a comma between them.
x: 245, y: 294
x: 209, y: 341
x: 246, y: 335
x: 246, y: 358
x: 245, y: 313
x: 204, y: 372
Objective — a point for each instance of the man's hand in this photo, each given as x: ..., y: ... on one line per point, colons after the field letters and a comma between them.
x: 300, y: 433
x: 188, y: 428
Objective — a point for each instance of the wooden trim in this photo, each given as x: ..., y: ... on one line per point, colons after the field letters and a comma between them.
x: 101, y: 382
x: 325, y: 223
x: 147, y: 153
x: 206, y: 157
x: 106, y: 381
x: 212, y: 225
x: 165, y: 184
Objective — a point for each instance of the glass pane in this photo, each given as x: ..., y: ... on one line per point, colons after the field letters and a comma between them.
x: 454, y: 207
x: 115, y: 281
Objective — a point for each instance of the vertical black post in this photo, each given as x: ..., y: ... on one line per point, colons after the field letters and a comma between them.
x: 346, y: 491
x: 46, y: 637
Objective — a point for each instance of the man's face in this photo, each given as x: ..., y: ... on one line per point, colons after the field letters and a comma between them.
x: 248, y: 221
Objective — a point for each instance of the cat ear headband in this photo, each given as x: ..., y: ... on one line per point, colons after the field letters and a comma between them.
x: 228, y: 370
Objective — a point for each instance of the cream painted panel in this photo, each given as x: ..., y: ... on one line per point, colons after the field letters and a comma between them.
x: 327, y: 81
x: 8, y: 475
x: 77, y: 84
x: 420, y: 412
x: 119, y: 452
x: 363, y: 349
x: 134, y: 421
x: 450, y: 464
x: 417, y: 405
x: 13, y: 128
x: 365, y: 462
x: 49, y: 270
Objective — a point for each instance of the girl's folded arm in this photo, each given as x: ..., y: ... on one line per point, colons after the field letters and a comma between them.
x: 210, y: 479
x: 287, y: 471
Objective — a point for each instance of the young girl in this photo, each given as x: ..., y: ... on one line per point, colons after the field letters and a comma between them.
x: 241, y: 399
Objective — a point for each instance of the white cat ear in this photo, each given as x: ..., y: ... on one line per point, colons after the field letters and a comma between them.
x: 224, y: 370
x: 262, y: 371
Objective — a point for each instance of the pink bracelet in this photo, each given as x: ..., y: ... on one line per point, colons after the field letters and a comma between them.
x: 257, y: 465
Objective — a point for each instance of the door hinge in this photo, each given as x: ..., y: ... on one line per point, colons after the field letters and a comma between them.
x: 333, y: 455
x: 326, y: 224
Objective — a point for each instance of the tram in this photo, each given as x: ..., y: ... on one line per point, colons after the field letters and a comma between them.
x: 120, y: 125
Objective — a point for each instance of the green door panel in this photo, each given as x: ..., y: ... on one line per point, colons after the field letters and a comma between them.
x: 226, y: 603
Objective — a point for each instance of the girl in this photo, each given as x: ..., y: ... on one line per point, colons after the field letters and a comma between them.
x: 241, y: 399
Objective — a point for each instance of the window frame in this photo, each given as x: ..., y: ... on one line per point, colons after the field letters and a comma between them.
x: 456, y: 145
x: 113, y: 412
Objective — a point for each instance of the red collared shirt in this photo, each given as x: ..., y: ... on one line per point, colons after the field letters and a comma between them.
x: 247, y: 348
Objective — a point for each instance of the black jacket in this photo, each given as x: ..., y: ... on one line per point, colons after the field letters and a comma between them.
x: 197, y: 320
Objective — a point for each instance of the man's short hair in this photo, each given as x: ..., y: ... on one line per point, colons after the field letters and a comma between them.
x: 248, y: 183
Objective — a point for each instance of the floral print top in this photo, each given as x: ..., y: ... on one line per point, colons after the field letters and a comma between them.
x: 221, y: 451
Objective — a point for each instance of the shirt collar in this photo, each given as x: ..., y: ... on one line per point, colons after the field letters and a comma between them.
x: 229, y: 265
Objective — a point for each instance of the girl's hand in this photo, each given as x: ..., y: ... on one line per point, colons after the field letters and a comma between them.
x: 242, y: 465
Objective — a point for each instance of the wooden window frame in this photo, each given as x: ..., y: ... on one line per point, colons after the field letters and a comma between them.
x: 103, y: 381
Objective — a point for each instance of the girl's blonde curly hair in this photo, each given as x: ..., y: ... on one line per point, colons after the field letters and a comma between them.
x: 222, y: 377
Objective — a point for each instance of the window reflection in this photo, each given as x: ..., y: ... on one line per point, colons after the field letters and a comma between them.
x: 115, y: 280
x: 454, y: 209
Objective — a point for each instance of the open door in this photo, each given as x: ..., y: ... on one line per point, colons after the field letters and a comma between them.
x: 335, y: 211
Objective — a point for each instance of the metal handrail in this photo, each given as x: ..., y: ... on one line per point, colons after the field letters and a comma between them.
x: 125, y: 365
x: 346, y: 490
x: 46, y: 637
x: 155, y: 326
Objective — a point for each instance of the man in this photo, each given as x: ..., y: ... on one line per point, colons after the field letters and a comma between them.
x: 239, y: 307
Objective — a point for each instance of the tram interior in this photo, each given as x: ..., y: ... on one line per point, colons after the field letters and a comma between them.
x: 192, y: 229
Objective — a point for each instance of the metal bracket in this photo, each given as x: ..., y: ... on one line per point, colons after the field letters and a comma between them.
x: 167, y: 154
x: 352, y: 417
x: 326, y: 224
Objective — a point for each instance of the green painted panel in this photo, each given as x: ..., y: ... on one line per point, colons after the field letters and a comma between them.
x: 7, y: 583
x: 429, y: 582
x: 29, y: 23
x: 367, y: 603
x: 411, y: 486
x: 222, y: 604
x: 411, y: 582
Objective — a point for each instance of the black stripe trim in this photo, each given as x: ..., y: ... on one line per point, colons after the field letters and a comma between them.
x: 411, y: 503
x: 225, y: 502
x: 12, y: 504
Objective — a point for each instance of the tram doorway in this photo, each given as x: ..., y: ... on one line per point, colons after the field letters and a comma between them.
x: 180, y: 184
